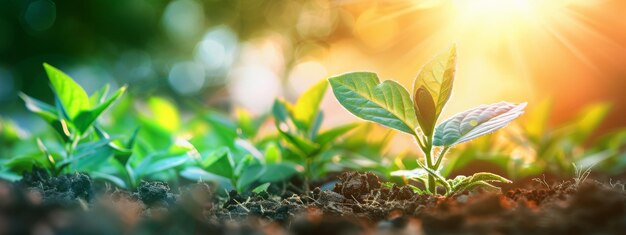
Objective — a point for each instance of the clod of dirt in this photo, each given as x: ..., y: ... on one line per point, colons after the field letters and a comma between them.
x: 155, y: 193
x: 65, y: 189
x: 197, y: 200
x: 354, y: 184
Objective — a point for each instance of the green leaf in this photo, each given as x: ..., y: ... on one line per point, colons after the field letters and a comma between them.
x: 249, y: 126
x: 224, y: 128
x: 73, y: 98
x: 334, y: 133
x: 108, y: 177
x: 588, y: 120
x: 432, y: 89
x: 164, y: 114
x: 281, y: 110
x: 151, y: 166
x: 261, y: 188
x: 425, y: 110
x: 47, y: 113
x: 476, y: 122
x: 278, y: 172
x: 272, y: 153
x: 303, y: 145
x: 244, y: 163
x: 10, y: 176
x: 99, y: 96
x: 386, y: 103
x: 198, y: 174
x: 49, y: 158
x: 249, y: 176
x: 488, y: 177
x: 86, y: 118
x: 307, y: 107
x: 221, y: 163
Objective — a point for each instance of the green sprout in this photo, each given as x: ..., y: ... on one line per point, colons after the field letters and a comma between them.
x: 390, y: 104
x: 299, y: 127
x: 73, y: 117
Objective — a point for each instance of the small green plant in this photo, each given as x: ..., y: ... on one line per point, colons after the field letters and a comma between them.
x: 73, y: 117
x: 234, y: 154
x: 299, y: 127
x: 390, y: 104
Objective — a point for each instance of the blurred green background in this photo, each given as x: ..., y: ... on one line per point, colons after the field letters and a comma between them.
x: 244, y: 53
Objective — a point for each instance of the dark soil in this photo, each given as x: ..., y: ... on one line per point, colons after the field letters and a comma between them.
x: 358, y: 204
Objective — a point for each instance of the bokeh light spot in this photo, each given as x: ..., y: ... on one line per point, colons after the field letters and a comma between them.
x: 306, y: 74
x: 187, y: 77
x: 40, y: 15
x: 183, y: 19
x: 254, y: 87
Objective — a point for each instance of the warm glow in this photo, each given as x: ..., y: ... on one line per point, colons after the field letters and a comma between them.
x: 571, y: 51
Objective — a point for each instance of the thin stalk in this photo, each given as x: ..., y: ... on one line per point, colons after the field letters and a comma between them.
x: 440, y: 157
x: 307, y: 175
x: 129, y: 177
x: 427, y: 149
x: 71, y: 147
x: 432, y: 187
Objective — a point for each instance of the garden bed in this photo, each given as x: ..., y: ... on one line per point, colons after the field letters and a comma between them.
x: 358, y: 204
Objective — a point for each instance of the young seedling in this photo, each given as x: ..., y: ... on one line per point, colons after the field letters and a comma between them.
x: 299, y: 126
x: 389, y: 104
x: 72, y: 117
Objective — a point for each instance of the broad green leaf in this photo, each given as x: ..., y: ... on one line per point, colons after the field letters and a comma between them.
x: 334, y: 133
x: 278, y: 172
x: 73, y: 98
x: 272, y: 153
x: 224, y: 128
x: 303, y: 145
x: 436, y: 78
x: 386, y: 103
x: 244, y: 163
x: 198, y: 174
x: 249, y: 176
x: 261, y: 188
x: 221, y: 164
x: 150, y: 165
x: 86, y: 118
x: 306, y: 108
x: 476, y: 122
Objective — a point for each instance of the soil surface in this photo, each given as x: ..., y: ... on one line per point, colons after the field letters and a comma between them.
x: 358, y: 204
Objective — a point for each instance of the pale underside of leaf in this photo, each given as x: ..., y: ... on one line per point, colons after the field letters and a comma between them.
x: 387, y: 103
x: 476, y: 122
